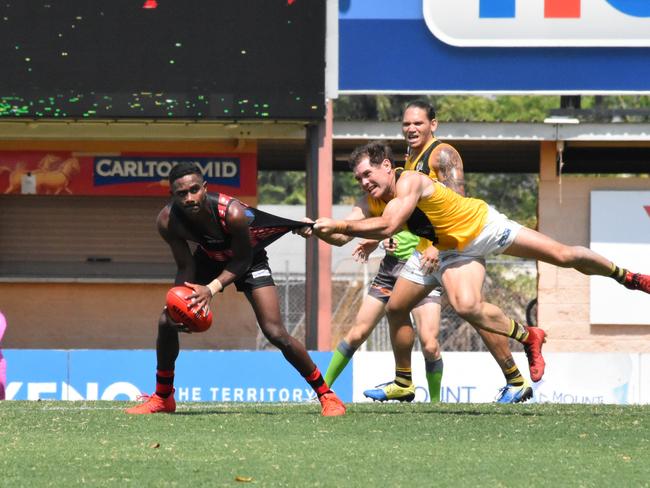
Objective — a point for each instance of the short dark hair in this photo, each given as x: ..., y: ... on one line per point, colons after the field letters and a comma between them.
x: 424, y: 105
x: 182, y: 169
x: 375, y: 151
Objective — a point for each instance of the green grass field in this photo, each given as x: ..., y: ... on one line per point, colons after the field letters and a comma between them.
x: 212, y: 444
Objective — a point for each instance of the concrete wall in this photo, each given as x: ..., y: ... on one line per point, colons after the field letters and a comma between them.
x: 563, y: 295
x: 112, y: 316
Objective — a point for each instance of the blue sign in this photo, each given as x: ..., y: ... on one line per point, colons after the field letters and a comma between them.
x: 554, y: 46
x: 201, y: 376
x: 112, y: 170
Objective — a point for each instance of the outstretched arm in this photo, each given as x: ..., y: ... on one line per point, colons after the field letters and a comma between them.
x: 358, y: 212
x: 408, y: 191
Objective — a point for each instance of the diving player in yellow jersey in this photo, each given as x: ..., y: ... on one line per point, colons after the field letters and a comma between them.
x: 440, y: 160
x: 429, y: 155
x: 464, y: 231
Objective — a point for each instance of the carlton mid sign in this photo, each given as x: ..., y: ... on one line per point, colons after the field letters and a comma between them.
x: 553, y: 23
x: 115, y: 170
x: 69, y: 173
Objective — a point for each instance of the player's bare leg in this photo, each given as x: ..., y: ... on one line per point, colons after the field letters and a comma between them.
x: 266, y: 306
x: 463, y: 283
x: 368, y: 316
x: 167, y: 349
x: 406, y: 294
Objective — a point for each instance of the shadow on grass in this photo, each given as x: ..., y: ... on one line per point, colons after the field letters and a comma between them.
x: 354, y: 411
x: 246, y: 411
x: 437, y: 410
x: 474, y: 413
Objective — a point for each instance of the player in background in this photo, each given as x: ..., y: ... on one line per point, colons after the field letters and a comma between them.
x: 231, y: 241
x: 426, y: 313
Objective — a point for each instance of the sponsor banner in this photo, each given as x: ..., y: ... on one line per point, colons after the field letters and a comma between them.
x: 538, y: 46
x: 644, y: 374
x: 474, y: 377
x: 201, y: 376
x: 261, y: 376
x: 589, y: 378
x: 468, y: 377
x: 68, y: 173
x: 620, y: 231
x: 30, y: 374
x: 556, y: 23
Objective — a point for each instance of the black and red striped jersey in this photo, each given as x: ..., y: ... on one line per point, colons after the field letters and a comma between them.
x: 265, y: 228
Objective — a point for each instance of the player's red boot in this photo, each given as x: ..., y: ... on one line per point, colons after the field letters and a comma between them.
x: 332, y: 405
x: 637, y: 281
x: 154, y: 404
x: 533, y: 347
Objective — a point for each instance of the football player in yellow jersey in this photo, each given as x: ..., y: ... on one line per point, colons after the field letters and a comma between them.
x: 429, y: 155
x: 464, y: 231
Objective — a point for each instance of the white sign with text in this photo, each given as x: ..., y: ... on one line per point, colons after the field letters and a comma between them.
x: 620, y: 231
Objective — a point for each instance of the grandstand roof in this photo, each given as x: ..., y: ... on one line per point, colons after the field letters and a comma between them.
x: 485, y: 146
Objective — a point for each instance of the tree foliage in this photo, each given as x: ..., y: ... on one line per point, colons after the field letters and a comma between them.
x: 514, y: 194
x: 289, y: 188
x: 494, y: 109
x: 448, y: 108
x: 281, y: 187
x: 491, y: 108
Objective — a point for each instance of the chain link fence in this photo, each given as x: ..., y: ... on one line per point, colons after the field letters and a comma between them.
x: 510, y: 283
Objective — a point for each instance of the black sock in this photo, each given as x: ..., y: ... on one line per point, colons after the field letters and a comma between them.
x: 403, y: 377
x: 164, y: 382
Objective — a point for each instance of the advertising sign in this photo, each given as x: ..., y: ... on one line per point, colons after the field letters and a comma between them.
x: 201, y: 376
x: 620, y: 231
x: 474, y: 377
x: 554, y: 23
x: 68, y: 173
x: 265, y: 376
x: 513, y: 46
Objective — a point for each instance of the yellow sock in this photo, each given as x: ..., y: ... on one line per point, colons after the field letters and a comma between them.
x: 517, y: 331
x: 618, y: 273
x: 513, y: 376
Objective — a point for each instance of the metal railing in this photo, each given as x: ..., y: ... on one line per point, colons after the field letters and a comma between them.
x: 510, y: 284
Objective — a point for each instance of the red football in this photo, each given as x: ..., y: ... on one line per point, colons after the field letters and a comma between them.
x: 197, y: 319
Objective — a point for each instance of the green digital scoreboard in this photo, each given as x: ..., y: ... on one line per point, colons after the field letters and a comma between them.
x: 176, y: 59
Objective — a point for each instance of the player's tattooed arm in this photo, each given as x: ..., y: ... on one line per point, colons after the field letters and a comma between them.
x: 450, y: 168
